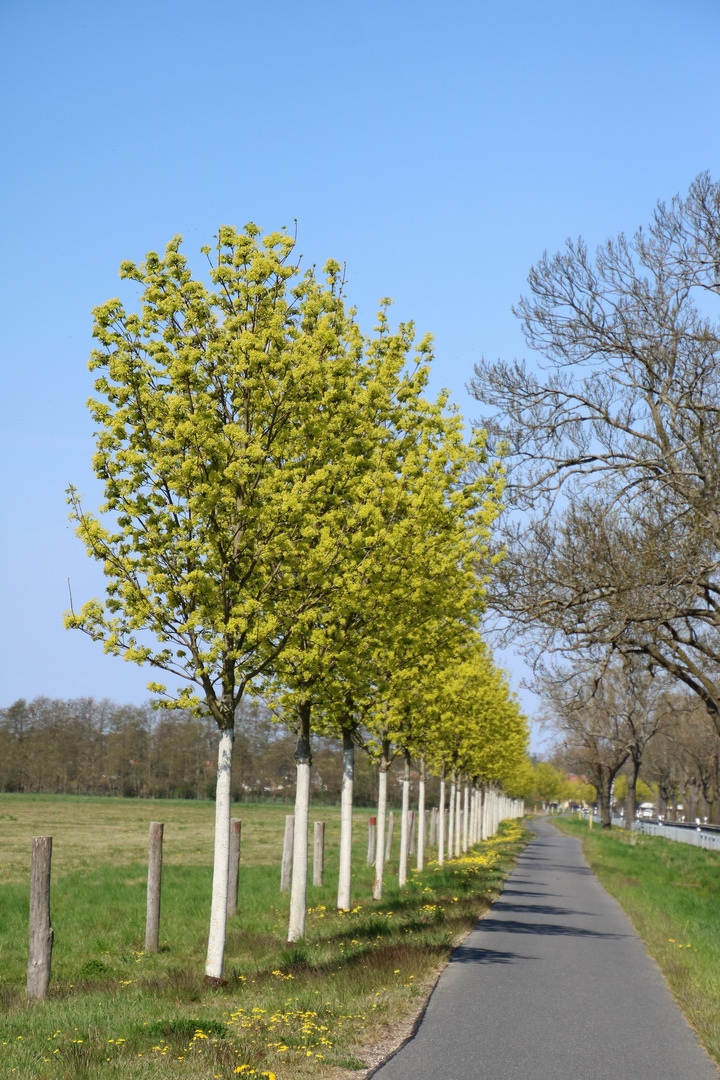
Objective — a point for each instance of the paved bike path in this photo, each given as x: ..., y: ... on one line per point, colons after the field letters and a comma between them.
x: 554, y: 984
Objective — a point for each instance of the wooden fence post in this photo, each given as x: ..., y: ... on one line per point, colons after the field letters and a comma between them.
x: 287, y: 855
x: 152, y: 923
x: 41, y: 932
x: 234, y: 866
x: 372, y: 822
x: 391, y: 828
x: 318, y: 852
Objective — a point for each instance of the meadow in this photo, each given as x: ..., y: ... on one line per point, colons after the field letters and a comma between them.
x: 310, y: 1009
x: 671, y: 893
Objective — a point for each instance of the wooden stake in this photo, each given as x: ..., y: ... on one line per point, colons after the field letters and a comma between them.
x: 391, y: 829
x: 411, y: 826
x: 372, y: 822
x: 234, y: 867
x: 319, y: 853
x: 287, y: 855
x: 41, y: 932
x: 152, y: 922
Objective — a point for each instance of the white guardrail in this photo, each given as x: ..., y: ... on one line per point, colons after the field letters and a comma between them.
x: 688, y: 835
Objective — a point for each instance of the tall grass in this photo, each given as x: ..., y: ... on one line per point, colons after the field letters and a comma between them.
x: 290, y: 1011
x: 671, y: 892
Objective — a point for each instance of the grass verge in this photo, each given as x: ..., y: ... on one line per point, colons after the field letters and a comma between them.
x: 285, y: 1011
x: 671, y: 893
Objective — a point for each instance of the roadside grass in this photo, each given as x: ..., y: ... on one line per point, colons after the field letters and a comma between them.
x: 291, y: 1011
x: 671, y: 893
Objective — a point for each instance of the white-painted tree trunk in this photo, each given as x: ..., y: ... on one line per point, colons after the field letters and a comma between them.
x: 441, y: 822
x: 451, y: 818
x: 421, y: 818
x: 404, y: 823
x: 458, y: 821
x: 380, y: 834
x: 221, y: 860
x: 466, y: 817
x: 298, y: 891
x: 346, y: 824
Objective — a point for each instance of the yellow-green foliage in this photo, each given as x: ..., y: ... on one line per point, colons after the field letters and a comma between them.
x: 479, y: 729
x: 643, y: 792
x: 551, y: 785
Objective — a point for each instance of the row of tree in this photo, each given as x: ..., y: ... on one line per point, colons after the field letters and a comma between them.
x: 288, y: 516
x: 611, y: 578
x: 89, y: 747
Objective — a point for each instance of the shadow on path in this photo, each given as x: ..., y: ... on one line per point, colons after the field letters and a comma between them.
x: 514, y: 926
x: 468, y: 954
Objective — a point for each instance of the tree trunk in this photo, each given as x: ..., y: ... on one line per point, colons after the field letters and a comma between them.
x: 221, y: 861
x: 303, y: 760
x: 381, y: 812
x: 631, y: 798
x: 404, y: 823
x: 458, y: 820
x: 421, y: 817
x: 451, y: 818
x: 465, y: 818
x: 603, y: 795
x: 441, y: 822
x: 346, y: 823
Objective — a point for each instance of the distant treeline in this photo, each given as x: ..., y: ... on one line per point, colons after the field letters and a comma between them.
x: 88, y: 747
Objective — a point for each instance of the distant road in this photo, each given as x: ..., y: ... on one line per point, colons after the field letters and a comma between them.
x: 553, y: 985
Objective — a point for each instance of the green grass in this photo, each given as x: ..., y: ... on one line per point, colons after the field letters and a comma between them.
x: 293, y: 1011
x: 671, y: 892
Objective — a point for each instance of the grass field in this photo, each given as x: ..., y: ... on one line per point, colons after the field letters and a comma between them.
x: 304, y: 1010
x: 671, y: 892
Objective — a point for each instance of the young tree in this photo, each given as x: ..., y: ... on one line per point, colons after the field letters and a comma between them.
x: 420, y: 592
x: 223, y: 417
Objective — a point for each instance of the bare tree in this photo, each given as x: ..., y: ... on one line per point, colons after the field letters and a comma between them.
x: 605, y: 713
x: 613, y: 448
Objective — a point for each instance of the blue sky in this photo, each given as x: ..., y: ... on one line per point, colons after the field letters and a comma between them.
x: 436, y: 150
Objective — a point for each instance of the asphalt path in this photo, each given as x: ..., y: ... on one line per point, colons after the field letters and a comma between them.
x: 554, y: 984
